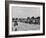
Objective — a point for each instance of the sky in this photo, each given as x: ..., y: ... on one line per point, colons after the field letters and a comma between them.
x: 24, y: 12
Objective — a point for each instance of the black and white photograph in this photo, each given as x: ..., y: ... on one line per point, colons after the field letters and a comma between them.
x: 25, y: 18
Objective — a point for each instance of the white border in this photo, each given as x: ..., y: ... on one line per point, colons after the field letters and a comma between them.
x: 25, y: 32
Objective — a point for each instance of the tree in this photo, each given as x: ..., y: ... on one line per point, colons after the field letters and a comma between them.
x: 38, y: 17
x: 19, y: 18
x: 16, y: 18
x: 33, y: 17
x: 13, y: 19
x: 28, y: 17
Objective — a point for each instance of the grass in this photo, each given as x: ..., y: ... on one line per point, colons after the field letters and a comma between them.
x: 25, y: 27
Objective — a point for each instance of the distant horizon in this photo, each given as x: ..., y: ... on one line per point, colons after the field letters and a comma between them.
x: 24, y: 17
